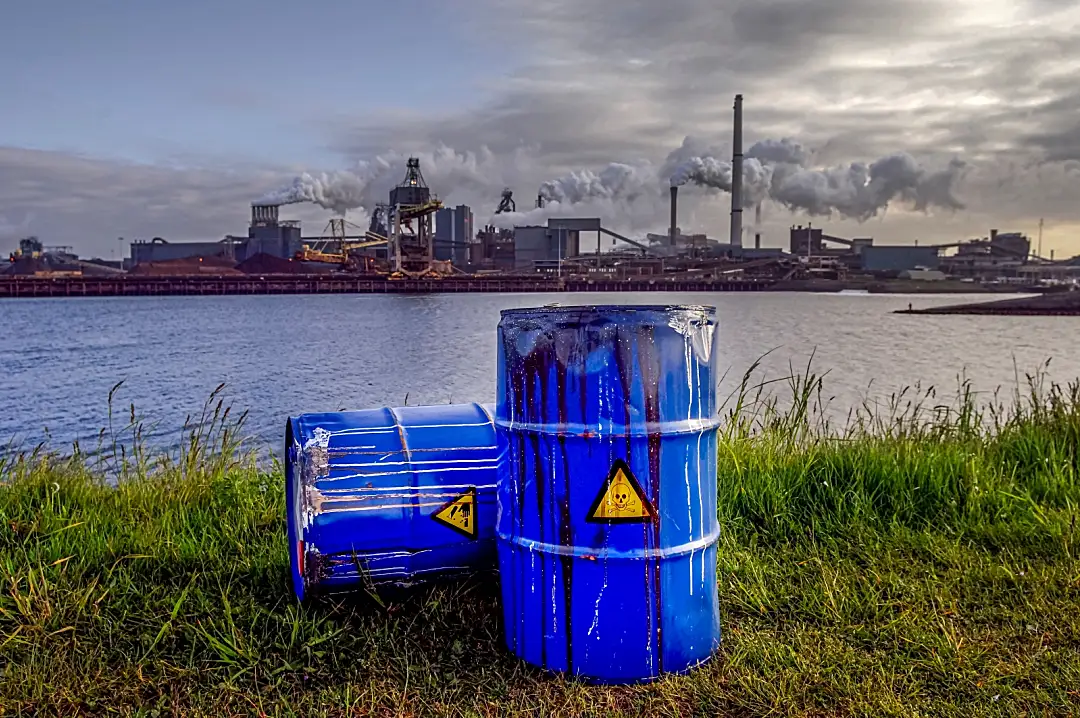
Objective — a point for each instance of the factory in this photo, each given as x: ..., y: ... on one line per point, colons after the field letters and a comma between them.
x: 267, y: 234
x: 999, y: 256
x: 412, y: 235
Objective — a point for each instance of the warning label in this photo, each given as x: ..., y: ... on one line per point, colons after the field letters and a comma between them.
x: 621, y: 499
x: 460, y: 514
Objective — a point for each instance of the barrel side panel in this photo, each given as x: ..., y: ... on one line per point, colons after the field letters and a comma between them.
x: 366, y: 485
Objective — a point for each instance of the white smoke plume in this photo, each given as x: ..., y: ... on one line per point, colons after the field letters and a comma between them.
x: 777, y: 170
x: 717, y: 174
x: 452, y: 176
x: 335, y: 191
x: 633, y: 195
x: 861, y: 191
x: 624, y: 195
x: 784, y: 151
x: 617, y: 181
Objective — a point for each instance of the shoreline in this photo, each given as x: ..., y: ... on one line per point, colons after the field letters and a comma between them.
x: 1057, y: 304
x: 270, y: 284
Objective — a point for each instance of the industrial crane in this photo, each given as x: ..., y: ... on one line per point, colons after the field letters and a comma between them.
x: 412, y: 207
x: 344, y: 245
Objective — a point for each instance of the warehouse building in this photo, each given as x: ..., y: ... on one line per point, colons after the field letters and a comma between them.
x: 898, y: 257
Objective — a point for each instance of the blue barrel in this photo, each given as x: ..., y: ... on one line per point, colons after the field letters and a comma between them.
x: 607, y: 525
x: 389, y: 496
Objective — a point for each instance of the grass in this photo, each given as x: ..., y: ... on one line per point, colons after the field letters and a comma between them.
x: 919, y: 559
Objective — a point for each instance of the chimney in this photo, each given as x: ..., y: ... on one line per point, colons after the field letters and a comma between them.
x: 672, y: 231
x: 757, y: 226
x: 264, y: 214
x: 736, y: 177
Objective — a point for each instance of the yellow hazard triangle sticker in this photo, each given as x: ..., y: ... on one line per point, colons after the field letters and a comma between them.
x: 459, y: 514
x: 621, y: 499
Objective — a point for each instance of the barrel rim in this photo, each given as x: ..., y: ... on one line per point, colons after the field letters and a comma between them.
x: 608, y: 309
x: 292, y: 489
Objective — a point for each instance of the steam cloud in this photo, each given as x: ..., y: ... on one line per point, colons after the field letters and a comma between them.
x: 448, y: 172
x: 776, y: 169
x: 335, y: 191
x: 633, y: 195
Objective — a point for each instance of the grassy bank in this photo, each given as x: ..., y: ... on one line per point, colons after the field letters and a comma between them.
x: 919, y: 560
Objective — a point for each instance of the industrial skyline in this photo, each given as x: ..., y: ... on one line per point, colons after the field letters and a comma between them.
x: 512, y: 95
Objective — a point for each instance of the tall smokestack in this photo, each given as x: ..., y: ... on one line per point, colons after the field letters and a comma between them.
x: 736, y: 177
x: 757, y: 226
x: 674, y: 214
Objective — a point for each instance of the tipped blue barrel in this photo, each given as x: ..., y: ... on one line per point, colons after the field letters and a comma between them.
x: 607, y: 525
x: 389, y: 496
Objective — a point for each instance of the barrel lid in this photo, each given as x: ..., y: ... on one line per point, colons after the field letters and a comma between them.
x: 608, y: 309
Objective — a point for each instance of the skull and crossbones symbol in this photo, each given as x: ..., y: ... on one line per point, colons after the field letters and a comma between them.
x: 621, y: 496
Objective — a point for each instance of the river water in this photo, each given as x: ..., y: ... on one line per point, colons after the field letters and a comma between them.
x: 286, y: 355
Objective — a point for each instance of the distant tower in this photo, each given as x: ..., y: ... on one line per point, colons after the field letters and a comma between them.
x: 539, y: 201
x: 412, y: 208
x: 412, y: 190
x: 506, y: 204
x: 737, y: 176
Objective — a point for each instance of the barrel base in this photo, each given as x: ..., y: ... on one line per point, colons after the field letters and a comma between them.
x: 601, y: 681
x: 591, y: 680
x: 595, y: 620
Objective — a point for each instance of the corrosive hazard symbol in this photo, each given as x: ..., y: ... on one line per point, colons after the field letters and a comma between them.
x: 621, y: 499
x: 459, y: 514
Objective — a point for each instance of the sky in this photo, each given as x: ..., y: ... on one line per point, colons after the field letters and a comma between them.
x: 137, y: 120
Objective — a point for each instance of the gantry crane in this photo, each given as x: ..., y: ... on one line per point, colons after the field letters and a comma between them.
x: 411, y: 209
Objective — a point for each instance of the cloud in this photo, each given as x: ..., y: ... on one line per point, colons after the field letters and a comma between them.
x: 624, y: 83
x: 10, y: 229
x: 87, y: 203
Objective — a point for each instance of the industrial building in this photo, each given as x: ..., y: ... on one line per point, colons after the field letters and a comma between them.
x: 413, y: 236
x: 267, y: 234
x: 898, y: 258
x: 33, y: 258
x: 161, y: 250
x: 454, y: 234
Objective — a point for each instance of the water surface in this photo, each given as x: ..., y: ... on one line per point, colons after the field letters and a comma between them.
x: 286, y: 355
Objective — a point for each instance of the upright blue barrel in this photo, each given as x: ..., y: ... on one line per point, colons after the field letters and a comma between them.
x: 389, y: 496
x: 607, y: 524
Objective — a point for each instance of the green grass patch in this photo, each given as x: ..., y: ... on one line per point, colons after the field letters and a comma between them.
x: 919, y: 560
